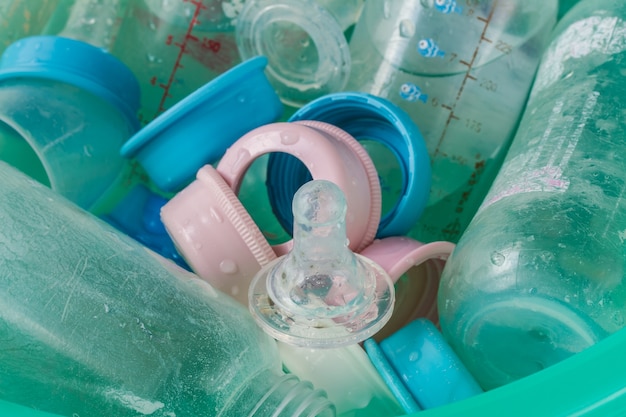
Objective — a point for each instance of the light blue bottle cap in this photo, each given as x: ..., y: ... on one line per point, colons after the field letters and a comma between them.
x: 365, y: 117
x: 198, y: 129
x: 393, y: 381
x: 425, y: 364
x: 76, y: 63
x: 138, y: 215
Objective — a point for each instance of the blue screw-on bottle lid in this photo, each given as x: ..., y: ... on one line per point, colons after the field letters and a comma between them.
x: 418, y: 358
x: 365, y: 117
x: 76, y: 63
x: 198, y: 129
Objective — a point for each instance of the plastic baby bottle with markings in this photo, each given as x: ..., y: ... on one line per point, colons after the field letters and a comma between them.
x: 539, y: 273
x: 176, y: 46
x: 462, y: 70
x: 94, y: 324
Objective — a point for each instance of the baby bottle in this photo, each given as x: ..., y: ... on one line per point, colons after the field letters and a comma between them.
x: 22, y: 18
x: 66, y: 108
x: 94, y: 324
x: 462, y: 71
x: 304, y: 41
x: 176, y: 46
x: 539, y: 274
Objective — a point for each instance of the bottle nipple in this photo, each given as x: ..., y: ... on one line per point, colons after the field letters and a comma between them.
x: 321, y: 294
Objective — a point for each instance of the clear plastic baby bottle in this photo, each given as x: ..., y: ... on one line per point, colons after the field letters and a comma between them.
x: 539, y: 274
x: 176, y: 46
x: 462, y: 71
x: 66, y: 108
x: 94, y: 324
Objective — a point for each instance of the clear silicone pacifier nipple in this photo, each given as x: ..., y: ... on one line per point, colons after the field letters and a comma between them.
x: 321, y: 294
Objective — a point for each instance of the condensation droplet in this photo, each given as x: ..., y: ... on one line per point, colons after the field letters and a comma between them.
x: 216, y: 215
x: 414, y: 356
x: 426, y: 3
x: 228, y: 266
x: 289, y: 137
x: 242, y: 157
x: 386, y: 9
x: 407, y: 28
x: 497, y: 258
x: 532, y: 291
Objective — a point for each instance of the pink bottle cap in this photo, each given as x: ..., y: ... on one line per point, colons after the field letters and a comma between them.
x: 216, y: 235
x: 329, y: 153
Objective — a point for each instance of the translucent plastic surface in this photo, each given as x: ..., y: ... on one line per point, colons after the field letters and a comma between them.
x: 176, y: 46
x: 539, y: 274
x: 93, y: 324
x: 21, y: 18
x: 462, y: 70
x: 74, y: 135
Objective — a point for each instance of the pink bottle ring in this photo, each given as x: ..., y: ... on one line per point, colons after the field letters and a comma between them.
x: 415, y: 268
x: 329, y: 153
x: 216, y: 235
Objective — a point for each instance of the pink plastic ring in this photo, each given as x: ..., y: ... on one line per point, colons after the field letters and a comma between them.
x: 415, y: 268
x: 216, y: 235
x: 329, y: 153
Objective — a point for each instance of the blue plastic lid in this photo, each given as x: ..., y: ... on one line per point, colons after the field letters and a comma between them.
x: 391, y: 378
x: 76, y: 63
x: 138, y: 215
x: 423, y: 362
x: 198, y: 129
x: 365, y: 117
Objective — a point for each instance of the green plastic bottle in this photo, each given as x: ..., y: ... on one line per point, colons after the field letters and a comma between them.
x: 94, y: 324
x: 539, y: 274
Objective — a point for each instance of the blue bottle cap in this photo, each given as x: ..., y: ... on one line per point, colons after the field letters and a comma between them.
x: 76, y: 63
x: 393, y: 381
x: 138, y: 216
x: 198, y: 129
x: 424, y: 362
x: 365, y: 117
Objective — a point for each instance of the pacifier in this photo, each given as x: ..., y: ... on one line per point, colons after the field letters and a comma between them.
x: 321, y: 294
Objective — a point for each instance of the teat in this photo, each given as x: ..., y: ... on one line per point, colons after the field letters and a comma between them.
x: 321, y: 294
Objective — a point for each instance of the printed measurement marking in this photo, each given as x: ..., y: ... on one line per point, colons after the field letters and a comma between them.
x: 182, y: 51
x: 468, y: 76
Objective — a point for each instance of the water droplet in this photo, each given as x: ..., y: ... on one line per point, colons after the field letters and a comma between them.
x: 242, y: 157
x: 427, y: 3
x: 618, y: 318
x: 150, y: 57
x: 216, y: 215
x: 497, y: 258
x: 304, y: 42
x: 228, y: 266
x: 532, y: 291
x: 386, y: 9
x: 106, y: 308
x: 289, y: 137
x: 414, y: 356
x: 567, y: 298
x: 407, y: 28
